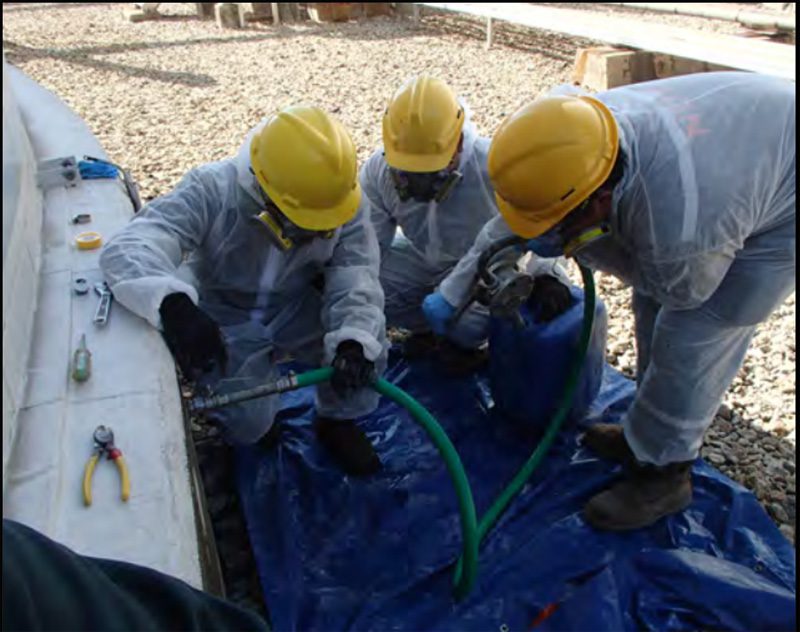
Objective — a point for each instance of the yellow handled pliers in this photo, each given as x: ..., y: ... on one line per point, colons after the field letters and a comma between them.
x: 104, y: 444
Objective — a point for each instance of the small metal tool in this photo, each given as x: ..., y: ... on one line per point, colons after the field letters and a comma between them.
x: 81, y: 218
x: 80, y: 286
x: 104, y: 445
x: 104, y: 305
x: 58, y: 172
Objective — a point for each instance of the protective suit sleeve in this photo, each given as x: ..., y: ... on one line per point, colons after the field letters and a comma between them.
x: 383, y: 223
x: 353, y: 300
x: 456, y: 286
x: 141, y: 261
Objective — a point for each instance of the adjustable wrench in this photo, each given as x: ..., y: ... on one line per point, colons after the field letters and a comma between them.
x: 104, y: 306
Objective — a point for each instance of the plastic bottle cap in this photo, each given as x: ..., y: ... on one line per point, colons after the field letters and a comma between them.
x: 89, y: 240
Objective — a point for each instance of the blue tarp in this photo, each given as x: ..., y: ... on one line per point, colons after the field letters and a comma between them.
x: 337, y: 553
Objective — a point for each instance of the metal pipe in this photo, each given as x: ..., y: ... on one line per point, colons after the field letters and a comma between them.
x: 281, y: 385
x: 748, y: 18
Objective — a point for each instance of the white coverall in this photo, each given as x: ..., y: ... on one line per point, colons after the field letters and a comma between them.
x: 434, y: 237
x: 703, y: 228
x: 268, y: 303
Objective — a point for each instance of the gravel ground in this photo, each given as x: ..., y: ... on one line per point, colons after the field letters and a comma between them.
x: 167, y: 95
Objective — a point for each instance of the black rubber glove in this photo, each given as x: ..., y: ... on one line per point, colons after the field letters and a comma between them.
x: 193, y: 337
x: 351, y: 370
x: 550, y: 298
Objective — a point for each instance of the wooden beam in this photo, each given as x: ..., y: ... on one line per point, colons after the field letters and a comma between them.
x: 724, y: 50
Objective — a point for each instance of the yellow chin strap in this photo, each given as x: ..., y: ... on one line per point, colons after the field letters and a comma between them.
x: 275, y: 231
x: 584, y: 238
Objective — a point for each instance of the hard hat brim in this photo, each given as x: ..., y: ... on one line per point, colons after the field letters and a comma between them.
x: 416, y: 163
x: 315, y: 219
x: 520, y: 224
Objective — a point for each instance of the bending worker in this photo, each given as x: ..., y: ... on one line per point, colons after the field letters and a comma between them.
x: 430, y: 180
x: 279, y: 259
x: 685, y: 189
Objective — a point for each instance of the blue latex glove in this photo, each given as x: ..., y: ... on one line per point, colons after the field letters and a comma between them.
x: 438, y: 312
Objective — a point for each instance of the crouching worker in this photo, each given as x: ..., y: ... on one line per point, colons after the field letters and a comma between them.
x: 263, y: 255
x: 430, y: 196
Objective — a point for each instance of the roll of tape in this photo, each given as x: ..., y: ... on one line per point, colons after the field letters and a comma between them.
x: 89, y: 240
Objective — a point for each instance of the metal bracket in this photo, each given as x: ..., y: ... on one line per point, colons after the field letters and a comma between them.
x: 58, y: 172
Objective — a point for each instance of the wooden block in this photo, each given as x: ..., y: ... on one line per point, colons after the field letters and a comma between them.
x: 205, y: 10
x: 136, y: 15
x: 582, y: 61
x: 374, y: 9
x: 405, y: 8
x: 289, y: 12
x: 329, y: 11
x: 607, y: 67
x: 255, y: 11
x: 228, y: 15
x: 672, y: 66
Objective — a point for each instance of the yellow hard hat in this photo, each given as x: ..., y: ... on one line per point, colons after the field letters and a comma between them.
x: 548, y: 157
x: 306, y: 163
x: 422, y: 126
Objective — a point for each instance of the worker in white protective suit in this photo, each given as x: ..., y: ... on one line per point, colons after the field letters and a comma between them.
x: 280, y: 259
x: 430, y: 180
x: 685, y: 189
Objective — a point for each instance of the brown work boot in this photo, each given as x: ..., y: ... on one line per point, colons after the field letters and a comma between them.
x: 348, y: 446
x: 608, y: 442
x: 272, y: 437
x: 644, y: 495
x: 458, y: 361
x: 420, y: 345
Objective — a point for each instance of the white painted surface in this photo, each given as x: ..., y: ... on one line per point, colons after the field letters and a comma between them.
x: 133, y: 387
x: 22, y: 219
x: 725, y: 50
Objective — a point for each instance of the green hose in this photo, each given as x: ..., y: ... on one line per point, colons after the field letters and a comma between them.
x: 466, y: 506
x: 507, y: 495
x: 472, y: 531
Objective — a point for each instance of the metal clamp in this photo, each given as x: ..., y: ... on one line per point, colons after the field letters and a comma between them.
x: 104, y: 306
x: 499, y: 284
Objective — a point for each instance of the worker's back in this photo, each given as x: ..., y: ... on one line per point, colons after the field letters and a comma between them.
x: 710, y: 167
